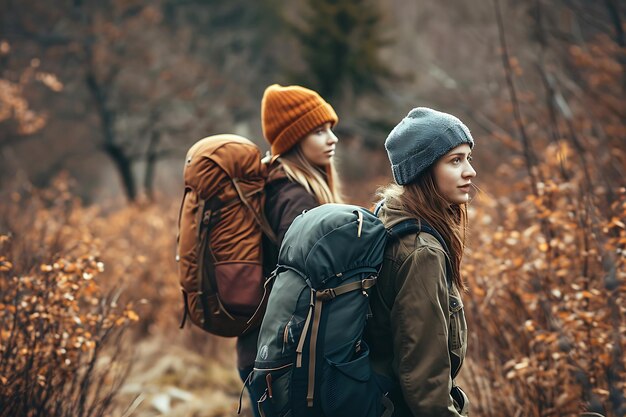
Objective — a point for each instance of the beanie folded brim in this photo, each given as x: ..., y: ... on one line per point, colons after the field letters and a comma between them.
x: 302, y: 126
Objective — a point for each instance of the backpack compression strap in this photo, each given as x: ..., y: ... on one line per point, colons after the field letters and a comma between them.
x: 315, y: 309
x: 259, y: 217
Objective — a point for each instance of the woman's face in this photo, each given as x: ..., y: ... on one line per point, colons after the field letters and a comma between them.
x: 318, y: 146
x: 453, y: 174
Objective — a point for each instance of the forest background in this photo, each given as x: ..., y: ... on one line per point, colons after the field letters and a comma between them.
x: 99, y: 101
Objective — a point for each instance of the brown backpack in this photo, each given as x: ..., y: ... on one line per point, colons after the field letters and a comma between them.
x: 220, y: 229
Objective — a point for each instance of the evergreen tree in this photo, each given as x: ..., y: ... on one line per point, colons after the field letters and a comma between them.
x: 340, y: 44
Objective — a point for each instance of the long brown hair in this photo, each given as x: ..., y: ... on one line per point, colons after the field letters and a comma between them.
x: 321, y: 182
x: 422, y: 200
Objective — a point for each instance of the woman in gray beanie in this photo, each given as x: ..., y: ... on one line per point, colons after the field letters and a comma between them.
x: 418, y: 333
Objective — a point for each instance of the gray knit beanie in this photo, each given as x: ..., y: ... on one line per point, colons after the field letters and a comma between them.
x: 420, y: 139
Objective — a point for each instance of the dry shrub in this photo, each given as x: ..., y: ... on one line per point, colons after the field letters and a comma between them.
x: 547, y: 265
x: 139, y: 248
x: 72, y: 279
x: 61, y: 334
x: 547, y: 315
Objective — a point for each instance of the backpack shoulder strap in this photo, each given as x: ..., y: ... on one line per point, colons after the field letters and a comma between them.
x: 413, y: 226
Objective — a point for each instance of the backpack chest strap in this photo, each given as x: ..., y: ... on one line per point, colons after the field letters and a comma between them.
x: 330, y: 293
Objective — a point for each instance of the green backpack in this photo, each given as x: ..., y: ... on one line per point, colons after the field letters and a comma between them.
x: 311, y: 359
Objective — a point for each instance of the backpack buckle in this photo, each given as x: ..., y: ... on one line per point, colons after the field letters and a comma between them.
x: 325, y: 295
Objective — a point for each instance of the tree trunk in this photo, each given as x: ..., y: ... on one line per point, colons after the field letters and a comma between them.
x: 151, y: 161
x: 124, y: 165
x: 122, y: 162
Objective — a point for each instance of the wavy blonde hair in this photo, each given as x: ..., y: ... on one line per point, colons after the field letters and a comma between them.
x: 421, y: 199
x: 320, y: 182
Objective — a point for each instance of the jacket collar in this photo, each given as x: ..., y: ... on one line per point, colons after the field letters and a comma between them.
x: 391, y: 215
x: 276, y: 172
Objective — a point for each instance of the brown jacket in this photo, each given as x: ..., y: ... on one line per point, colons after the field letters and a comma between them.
x: 418, y: 333
x: 284, y: 201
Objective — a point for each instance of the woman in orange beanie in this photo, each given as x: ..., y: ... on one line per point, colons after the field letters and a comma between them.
x: 298, y: 124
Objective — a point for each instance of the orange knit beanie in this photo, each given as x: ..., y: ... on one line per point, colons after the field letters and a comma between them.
x: 289, y: 113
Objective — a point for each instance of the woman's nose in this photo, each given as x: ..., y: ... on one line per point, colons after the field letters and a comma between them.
x: 469, y: 171
x: 332, y: 138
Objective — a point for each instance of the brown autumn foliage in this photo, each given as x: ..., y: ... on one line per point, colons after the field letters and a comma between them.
x: 60, y: 330
x: 15, y: 107
x: 72, y: 281
x: 547, y: 261
x: 546, y: 304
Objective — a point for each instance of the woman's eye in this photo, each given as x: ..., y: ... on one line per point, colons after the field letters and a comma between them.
x: 469, y: 158
x: 456, y: 160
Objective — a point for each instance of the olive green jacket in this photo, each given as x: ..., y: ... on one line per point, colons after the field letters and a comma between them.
x: 418, y: 333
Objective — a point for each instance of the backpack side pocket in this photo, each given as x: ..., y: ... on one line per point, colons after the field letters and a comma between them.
x: 346, y: 387
x: 271, y: 390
